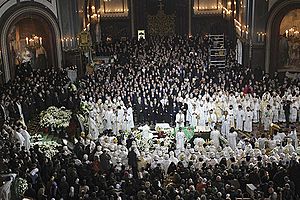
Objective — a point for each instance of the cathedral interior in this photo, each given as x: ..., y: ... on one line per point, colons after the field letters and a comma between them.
x: 265, y: 33
x: 149, y: 99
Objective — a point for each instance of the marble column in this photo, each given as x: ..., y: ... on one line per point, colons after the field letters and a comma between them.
x: 190, y: 17
x: 132, y: 19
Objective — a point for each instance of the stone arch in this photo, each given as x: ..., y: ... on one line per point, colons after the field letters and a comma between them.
x: 10, y: 17
x: 276, y: 14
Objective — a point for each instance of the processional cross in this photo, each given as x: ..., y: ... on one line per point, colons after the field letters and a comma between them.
x: 160, y: 5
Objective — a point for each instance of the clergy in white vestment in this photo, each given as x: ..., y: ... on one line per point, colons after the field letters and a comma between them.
x: 125, y: 125
x: 166, y: 163
x: 294, y: 137
x: 194, y: 118
x: 108, y: 117
x: 232, y: 137
x: 262, y: 141
x: 225, y: 124
x: 146, y: 133
x: 115, y: 122
x: 279, y: 136
x: 215, y: 137
x: 20, y: 110
x: 294, y: 111
x: 26, y: 137
x: 179, y: 119
x: 289, y: 148
x: 231, y: 116
x: 240, y: 118
x: 180, y: 139
x: 93, y: 128
x: 189, y: 112
x: 99, y: 116
x: 248, y: 120
x: 267, y: 118
x: 19, y: 137
x: 201, y: 118
x: 256, y: 108
x: 130, y: 117
x: 211, y: 118
x: 275, y: 110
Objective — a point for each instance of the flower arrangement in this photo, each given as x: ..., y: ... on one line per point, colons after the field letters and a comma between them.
x: 49, y: 147
x: 72, y: 88
x: 55, y: 117
x: 36, y: 138
x: 20, y: 187
x: 85, y: 107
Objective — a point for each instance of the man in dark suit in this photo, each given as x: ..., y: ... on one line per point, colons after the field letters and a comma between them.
x: 286, y: 108
x: 104, y: 161
x: 133, y: 162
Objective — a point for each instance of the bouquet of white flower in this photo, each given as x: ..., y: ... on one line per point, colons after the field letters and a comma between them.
x: 19, y: 187
x: 55, y: 117
x: 50, y: 148
x: 85, y: 107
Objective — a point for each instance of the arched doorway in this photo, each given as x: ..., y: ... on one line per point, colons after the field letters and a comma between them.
x: 278, y: 43
x: 29, y: 30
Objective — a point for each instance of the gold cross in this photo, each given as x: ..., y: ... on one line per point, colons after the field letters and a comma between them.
x: 160, y: 5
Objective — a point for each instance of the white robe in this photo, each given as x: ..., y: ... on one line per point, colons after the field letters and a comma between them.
x: 19, y: 137
x: 99, y: 120
x: 130, y: 118
x: 211, y: 119
x: 26, y: 137
x: 267, y: 119
x: 215, y: 137
x: 248, y: 121
x: 202, y: 116
x: 232, y: 140
x: 294, y: 112
x: 173, y: 159
x: 179, y: 120
x: 146, y: 134
x: 294, y: 137
x: 256, y: 112
x: 225, y: 125
x: 93, y: 128
x: 281, y: 114
x: 276, y: 109
x: 109, y: 119
x: 240, y: 118
x: 115, y: 124
x: 231, y: 117
x: 120, y: 119
x: 189, y: 112
x: 194, y: 119
x: 20, y: 111
x: 180, y: 140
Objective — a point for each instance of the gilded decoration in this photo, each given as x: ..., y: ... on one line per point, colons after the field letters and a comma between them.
x: 161, y: 24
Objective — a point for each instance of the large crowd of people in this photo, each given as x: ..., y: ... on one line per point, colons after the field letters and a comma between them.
x: 159, y: 80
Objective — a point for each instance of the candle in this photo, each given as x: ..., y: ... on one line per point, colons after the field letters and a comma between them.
x: 31, y: 42
x: 36, y: 39
x: 27, y: 41
x: 63, y: 43
x: 71, y: 43
x: 67, y: 45
x: 286, y: 33
x: 41, y: 43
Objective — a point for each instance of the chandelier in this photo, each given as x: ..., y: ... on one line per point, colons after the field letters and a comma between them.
x: 33, y: 41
